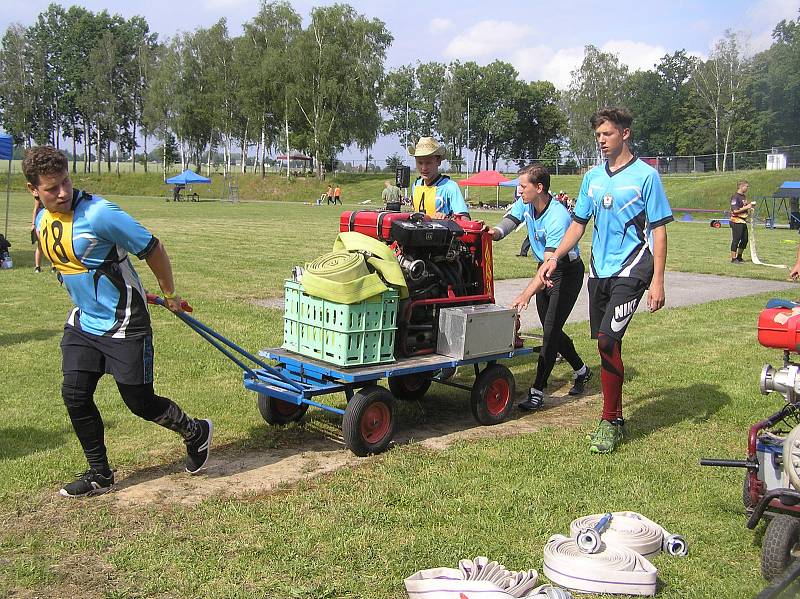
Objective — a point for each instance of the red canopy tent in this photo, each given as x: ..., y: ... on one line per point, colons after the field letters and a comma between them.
x: 486, y: 179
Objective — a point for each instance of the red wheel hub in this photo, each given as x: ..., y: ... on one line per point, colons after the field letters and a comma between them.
x: 375, y: 422
x: 497, y: 396
x: 285, y: 408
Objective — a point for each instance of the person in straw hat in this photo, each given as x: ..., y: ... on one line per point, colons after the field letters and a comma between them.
x: 435, y: 194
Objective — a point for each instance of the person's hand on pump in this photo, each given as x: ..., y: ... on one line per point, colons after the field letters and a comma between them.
x: 520, y: 304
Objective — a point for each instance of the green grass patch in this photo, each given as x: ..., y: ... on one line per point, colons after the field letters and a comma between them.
x: 691, y: 391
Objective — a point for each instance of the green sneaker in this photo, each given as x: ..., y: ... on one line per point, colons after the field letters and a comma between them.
x: 620, y: 422
x: 606, y: 437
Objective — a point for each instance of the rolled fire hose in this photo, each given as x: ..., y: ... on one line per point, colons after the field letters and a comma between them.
x: 634, y: 531
x: 479, y: 578
x: 791, y: 457
x: 341, y: 277
x: 615, y: 569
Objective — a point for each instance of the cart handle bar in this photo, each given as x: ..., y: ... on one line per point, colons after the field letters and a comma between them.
x: 213, y: 337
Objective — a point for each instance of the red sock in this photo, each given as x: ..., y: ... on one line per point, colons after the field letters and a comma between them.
x: 612, y: 373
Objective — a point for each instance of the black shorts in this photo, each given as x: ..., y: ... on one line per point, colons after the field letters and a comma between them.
x: 612, y: 302
x: 129, y: 361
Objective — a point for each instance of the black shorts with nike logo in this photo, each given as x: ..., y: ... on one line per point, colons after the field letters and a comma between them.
x: 612, y: 302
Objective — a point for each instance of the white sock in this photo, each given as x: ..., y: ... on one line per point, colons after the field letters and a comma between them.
x: 537, y: 392
x: 582, y: 371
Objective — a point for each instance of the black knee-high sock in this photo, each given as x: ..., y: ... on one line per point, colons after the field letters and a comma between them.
x: 77, y: 390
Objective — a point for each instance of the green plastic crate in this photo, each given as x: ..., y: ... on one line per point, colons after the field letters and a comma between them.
x: 342, y: 334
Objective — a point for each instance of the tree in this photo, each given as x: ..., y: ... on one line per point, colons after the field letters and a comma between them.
x: 340, y: 66
x: 539, y: 120
x: 16, y: 86
x: 720, y: 82
x: 271, y: 37
x: 597, y: 83
x: 775, y: 84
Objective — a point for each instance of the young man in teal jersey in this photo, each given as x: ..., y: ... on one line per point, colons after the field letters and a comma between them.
x: 88, y: 239
x: 625, y: 198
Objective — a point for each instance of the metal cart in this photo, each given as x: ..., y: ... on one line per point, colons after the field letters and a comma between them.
x: 286, y: 390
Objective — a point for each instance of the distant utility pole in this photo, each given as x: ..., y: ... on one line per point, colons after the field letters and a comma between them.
x: 466, y: 152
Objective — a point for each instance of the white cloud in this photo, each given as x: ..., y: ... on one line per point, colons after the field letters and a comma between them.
x: 637, y: 55
x: 762, y: 16
x: 440, y: 25
x: 488, y: 39
x: 543, y: 63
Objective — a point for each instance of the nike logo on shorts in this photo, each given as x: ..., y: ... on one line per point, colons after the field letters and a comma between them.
x: 622, y: 314
x: 618, y: 325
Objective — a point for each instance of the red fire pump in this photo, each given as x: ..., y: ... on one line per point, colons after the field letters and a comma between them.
x: 445, y: 262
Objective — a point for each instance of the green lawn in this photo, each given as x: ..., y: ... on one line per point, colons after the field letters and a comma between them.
x: 691, y: 391
x: 708, y: 190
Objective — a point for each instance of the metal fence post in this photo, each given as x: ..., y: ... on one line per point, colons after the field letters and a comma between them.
x: 734, y: 161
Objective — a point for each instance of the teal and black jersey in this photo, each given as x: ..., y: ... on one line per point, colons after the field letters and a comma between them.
x: 89, y: 247
x: 626, y: 206
x: 545, y: 230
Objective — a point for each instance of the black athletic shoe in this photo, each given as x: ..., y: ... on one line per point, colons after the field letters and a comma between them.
x: 197, y: 451
x: 89, y: 483
x: 534, y: 402
x: 739, y: 259
x: 580, y: 383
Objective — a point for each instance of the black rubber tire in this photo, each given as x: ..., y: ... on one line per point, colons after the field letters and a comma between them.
x: 369, y: 421
x: 492, y: 397
x: 410, y: 386
x: 748, y: 505
x: 279, y: 412
x: 781, y: 541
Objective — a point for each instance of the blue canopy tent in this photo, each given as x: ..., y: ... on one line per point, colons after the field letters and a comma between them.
x: 187, y: 177
x: 6, y: 152
x: 512, y: 183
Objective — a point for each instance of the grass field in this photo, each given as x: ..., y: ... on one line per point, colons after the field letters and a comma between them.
x: 691, y: 391
x: 709, y: 190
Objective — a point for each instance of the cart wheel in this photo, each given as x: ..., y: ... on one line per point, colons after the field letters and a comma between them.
x: 492, y: 395
x: 277, y: 411
x: 780, y: 546
x: 369, y: 421
x: 748, y: 504
x: 410, y: 386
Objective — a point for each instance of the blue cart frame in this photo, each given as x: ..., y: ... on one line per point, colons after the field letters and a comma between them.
x: 287, y: 389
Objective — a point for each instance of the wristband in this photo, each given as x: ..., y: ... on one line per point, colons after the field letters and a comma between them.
x: 170, y: 296
x: 552, y: 258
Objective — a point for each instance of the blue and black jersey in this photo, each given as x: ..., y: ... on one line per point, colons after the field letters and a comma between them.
x: 545, y: 230
x: 442, y: 195
x: 626, y: 206
x: 89, y: 247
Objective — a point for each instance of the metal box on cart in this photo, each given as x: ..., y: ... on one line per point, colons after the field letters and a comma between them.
x: 473, y: 331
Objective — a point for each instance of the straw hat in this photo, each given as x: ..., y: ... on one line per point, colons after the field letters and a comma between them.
x: 426, y: 146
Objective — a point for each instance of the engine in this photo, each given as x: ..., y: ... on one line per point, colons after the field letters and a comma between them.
x: 445, y: 263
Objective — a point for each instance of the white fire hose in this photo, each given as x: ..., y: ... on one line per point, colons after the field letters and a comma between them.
x: 608, y: 553
x: 479, y: 578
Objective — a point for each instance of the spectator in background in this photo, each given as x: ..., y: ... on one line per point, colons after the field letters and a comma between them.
x: 337, y: 195
x: 391, y: 193
x: 329, y: 194
x: 740, y: 208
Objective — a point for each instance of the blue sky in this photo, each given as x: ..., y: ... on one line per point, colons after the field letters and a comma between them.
x: 543, y: 39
